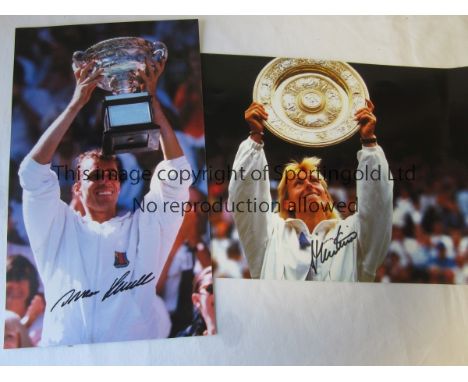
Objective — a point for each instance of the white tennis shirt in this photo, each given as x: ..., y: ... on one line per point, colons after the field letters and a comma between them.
x: 90, y: 299
x: 341, y: 250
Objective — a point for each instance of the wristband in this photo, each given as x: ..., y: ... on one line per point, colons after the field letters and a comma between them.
x: 366, y: 141
x: 261, y: 133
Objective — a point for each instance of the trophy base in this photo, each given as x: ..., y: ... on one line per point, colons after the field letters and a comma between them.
x: 132, y: 140
x: 128, y: 124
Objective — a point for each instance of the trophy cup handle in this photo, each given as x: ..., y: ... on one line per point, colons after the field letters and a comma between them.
x: 160, y: 52
x: 78, y: 59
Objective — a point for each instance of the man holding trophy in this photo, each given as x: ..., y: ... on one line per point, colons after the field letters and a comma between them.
x: 100, y: 270
x: 298, y: 242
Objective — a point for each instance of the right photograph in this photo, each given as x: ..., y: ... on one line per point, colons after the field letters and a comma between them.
x: 325, y: 170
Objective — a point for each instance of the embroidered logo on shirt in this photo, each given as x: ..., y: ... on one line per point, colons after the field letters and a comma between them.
x: 121, y: 260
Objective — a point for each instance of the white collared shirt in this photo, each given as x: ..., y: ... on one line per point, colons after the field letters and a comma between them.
x: 271, y: 243
x: 75, y: 253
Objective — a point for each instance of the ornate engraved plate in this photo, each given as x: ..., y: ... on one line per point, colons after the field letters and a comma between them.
x: 310, y: 102
x: 120, y: 58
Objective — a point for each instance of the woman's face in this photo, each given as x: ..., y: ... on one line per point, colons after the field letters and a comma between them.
x: 17, y: 293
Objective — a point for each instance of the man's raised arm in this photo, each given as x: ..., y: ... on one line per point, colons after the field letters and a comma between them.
x: 163, y: 192
x: 44, y: 212
x: 169, y: 143
x: 45, y: 148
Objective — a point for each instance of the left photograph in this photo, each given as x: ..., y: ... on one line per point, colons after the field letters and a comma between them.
x: 107, y: 131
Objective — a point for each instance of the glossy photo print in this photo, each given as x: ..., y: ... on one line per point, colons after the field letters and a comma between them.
x: 332, y: 171
x: 107, y: 128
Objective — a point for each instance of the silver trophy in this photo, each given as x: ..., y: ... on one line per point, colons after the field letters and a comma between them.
x: 127, y: 114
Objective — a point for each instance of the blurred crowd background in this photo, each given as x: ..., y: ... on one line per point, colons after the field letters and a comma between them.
x: 43, y: 84
x: 422, y: 126
x: 430, y: 225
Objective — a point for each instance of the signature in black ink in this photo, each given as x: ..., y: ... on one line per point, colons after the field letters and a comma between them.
x: 72, y: 295
x: 322, y: 255
x: 119, y: 285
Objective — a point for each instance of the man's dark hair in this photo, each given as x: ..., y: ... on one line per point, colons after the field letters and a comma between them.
x: 96, y: 154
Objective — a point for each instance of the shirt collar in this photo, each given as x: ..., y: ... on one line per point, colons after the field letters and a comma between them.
x: 322, y: 227
x: 114, y: 220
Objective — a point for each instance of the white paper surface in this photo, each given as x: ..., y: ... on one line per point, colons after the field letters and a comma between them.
x: 263, y: 322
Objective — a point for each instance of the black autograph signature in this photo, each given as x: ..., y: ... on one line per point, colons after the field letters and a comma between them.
x: 73, y: 295
x: 322, y: 255
x: 119, y: 285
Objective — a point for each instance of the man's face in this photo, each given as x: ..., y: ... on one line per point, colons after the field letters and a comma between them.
x: 204, y: 301
x: 305, y: 187
x: 207, y: 301
x: 99, y: 186
x: 17, y: 293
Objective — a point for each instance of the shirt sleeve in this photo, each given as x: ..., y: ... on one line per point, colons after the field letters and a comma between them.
x: 169, y: 191
x: 254, y: 228
x: 375, y: 206
x: 44, y: 212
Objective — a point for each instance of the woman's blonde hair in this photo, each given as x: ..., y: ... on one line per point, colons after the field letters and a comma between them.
x: 309, y: 165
